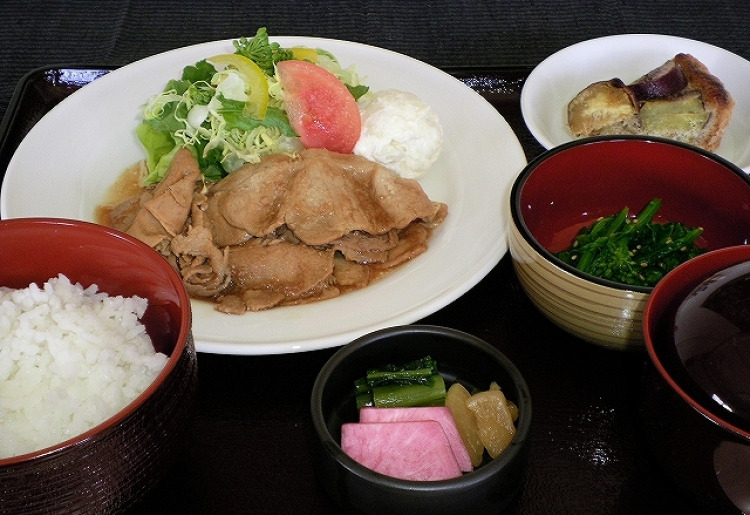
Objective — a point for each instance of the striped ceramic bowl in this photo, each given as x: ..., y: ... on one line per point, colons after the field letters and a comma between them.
x: 570, y: 186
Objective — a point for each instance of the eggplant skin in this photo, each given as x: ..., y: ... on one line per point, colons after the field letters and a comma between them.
x: 664, y: 81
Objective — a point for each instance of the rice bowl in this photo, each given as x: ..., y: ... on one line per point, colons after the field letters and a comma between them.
x: 111, y: 466
x: 69, y: 359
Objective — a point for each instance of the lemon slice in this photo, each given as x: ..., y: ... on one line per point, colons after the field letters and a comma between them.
x: 257, y: 85
x: 305, y: 54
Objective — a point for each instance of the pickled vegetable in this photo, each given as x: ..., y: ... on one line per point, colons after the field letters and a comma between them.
x: 466, y: 422
x: 417, y: 383
x: 511, y: 405
x: 494, y: 420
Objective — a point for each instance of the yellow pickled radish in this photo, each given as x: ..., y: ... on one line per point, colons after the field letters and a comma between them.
x: 494, y: 420
x: 301, y: 53
x: 511, y: 405
x: 466, y: 423
x: 257, y: 85
x: 513, y: 410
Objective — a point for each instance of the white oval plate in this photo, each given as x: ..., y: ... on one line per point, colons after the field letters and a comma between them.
x: 72, y: 156
x: 560, y: 77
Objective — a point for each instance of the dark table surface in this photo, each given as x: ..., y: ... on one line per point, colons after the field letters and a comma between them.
x: 247, y: 448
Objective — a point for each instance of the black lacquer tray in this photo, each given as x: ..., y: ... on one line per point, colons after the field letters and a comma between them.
x: 248, y: 448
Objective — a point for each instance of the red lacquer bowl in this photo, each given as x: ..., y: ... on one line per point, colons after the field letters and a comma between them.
x: 110, y: 467
x: 702, y: 446
x: 573, y: 185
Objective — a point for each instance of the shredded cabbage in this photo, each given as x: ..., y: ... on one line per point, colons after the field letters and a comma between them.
x: 203, y: 111
x: 207, y: 117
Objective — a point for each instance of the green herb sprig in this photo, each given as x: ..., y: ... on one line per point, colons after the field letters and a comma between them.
x: 632, y: 250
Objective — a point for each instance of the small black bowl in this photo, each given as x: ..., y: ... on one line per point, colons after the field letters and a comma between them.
x: 489, y: 488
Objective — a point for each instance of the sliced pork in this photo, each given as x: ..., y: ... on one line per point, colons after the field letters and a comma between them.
x: 295, y: 272
x: 319, y: 195
x: 287, y: 230
x: 162, y: 214
x: 247, y: 203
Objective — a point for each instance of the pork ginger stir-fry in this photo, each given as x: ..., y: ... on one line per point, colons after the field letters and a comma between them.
x: 288, y: 230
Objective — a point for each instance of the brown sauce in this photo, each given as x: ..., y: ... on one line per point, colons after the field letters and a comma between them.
x: 128, y: 184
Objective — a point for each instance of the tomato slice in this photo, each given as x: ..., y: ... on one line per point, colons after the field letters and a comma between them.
x: 321, y: 110
x: 257, y: 90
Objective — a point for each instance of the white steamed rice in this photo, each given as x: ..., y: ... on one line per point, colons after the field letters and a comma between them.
x: 69, y: 359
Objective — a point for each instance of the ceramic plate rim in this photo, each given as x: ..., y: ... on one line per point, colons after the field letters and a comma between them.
x: 628, y: 56
x: 495, y: 159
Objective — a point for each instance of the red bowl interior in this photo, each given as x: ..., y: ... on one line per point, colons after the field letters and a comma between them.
x: 35, y: 250
x: 659, y: 312
x: 571, y: 186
